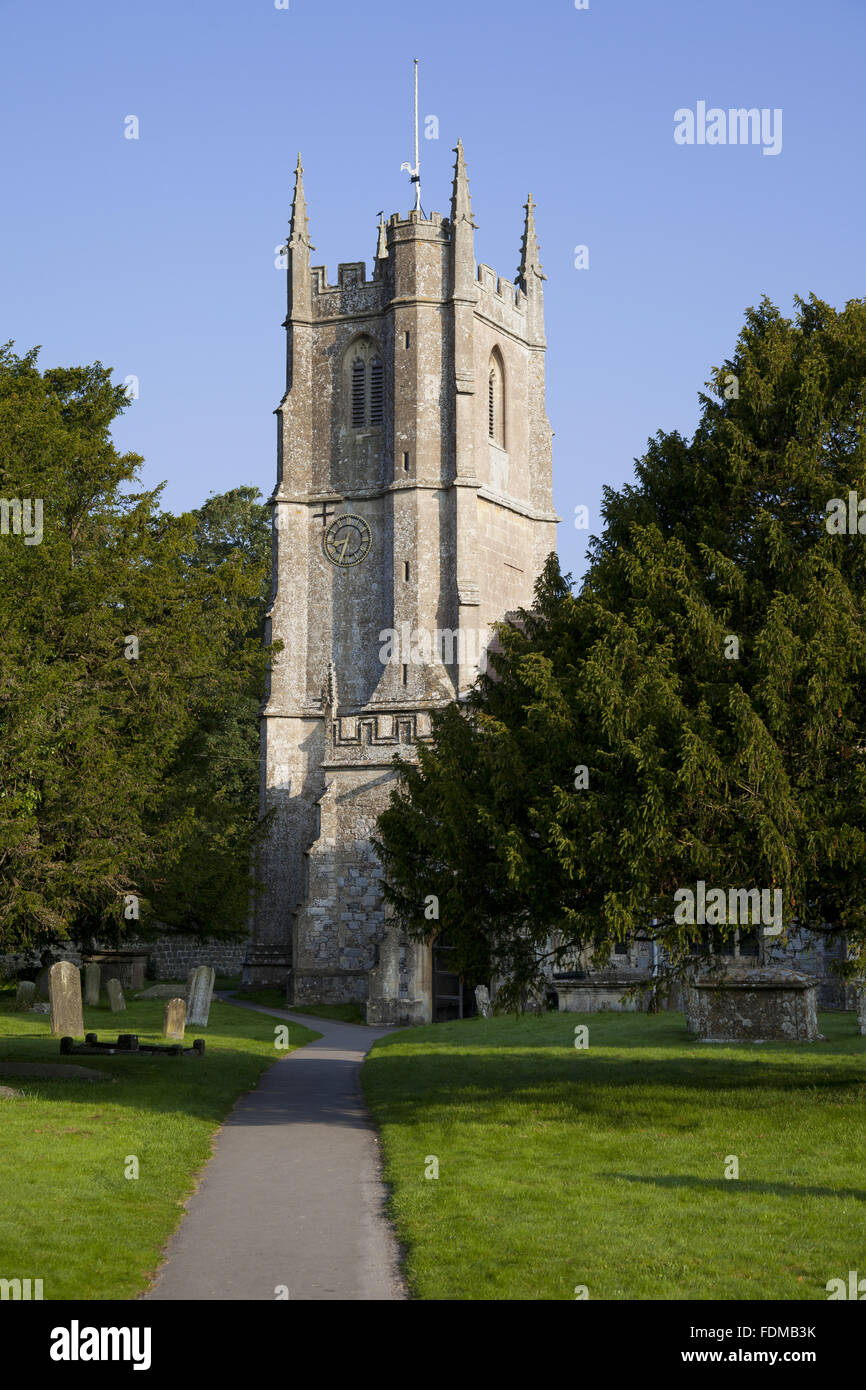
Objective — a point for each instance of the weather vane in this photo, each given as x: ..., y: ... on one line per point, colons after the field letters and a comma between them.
x: 414, y: 173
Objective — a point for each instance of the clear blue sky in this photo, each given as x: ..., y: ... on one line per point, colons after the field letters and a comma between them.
x: 157, y: 255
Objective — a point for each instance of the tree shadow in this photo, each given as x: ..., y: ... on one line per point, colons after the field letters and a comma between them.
x: 778, y: 1189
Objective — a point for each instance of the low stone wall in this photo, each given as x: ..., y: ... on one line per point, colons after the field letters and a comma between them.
x: 169, y: 957
x: 11, y: 965
x: 814, y: 954
x: 172, y: 957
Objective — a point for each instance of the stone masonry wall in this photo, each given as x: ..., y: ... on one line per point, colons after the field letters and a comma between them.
x: 169, y: 957
x: 172, y: 957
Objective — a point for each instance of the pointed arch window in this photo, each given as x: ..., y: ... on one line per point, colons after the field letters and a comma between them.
x: 496, y: 400
x: 366, y: 386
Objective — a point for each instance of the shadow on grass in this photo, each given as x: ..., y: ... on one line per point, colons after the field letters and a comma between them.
x: 206, y: 1087
x: 777, y: 1189
x: 636, y: 1068
x: 626, y: 1032
x: 229, y: 1083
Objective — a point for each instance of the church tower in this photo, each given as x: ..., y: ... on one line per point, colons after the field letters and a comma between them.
x: 413, y: 508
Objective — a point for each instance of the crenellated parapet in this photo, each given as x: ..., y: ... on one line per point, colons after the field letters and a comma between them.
x: 501, y: 301
x: 353, y: 293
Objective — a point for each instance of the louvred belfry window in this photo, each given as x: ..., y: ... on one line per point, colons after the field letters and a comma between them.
x: 366, y: 385
x: 496, y: 401
x: 376, y: 389
x: 359, y: 393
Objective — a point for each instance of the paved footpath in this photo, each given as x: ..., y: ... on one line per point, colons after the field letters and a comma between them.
x: 293, y: 1194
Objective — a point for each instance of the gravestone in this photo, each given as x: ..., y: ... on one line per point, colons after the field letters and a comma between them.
x: 92, y: 973
x: 25, y: 995
x: 200, y: 995
x: 861, y: 1011
x: 189, y: 979
x: 42, y: 982
x: 128, y: 967
x: 173, y: 1019
x: 115, y: 996
x: 64, y: 986
x: 482, y: 1000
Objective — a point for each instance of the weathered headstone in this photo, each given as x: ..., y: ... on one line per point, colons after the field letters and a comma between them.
x: 42, y: 982
x: 92, y: 974
x: 189, y: 979
x: 25, y: 995
x: 115, y: 996
x: 174, y: 1018
x: 861, y: 1011
x: 128, y: 967
x: 200, y: 995
x: 64, y: 986
x: 482, y: 1000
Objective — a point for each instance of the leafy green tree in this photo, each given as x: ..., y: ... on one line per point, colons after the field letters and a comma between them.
x: 710, y: 677
x: 211, y: 789
x: 129, y: 646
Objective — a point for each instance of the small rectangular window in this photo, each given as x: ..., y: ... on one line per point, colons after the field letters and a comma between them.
x: 406, y: 463
x: 406, y: 570
x: 405, y: 675
x: 407, y: 338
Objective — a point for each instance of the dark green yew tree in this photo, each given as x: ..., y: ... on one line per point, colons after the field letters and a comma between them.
x: 130, y: 667
x: 709, y: 676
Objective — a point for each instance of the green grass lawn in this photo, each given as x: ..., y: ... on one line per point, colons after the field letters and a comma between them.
x: 68, y: 1214
x: 274, y: 999
x: 340, y: 1013
x: 604, y: 1167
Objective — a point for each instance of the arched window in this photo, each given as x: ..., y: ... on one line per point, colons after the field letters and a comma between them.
x: 496, y: 400
x: 366, y: 386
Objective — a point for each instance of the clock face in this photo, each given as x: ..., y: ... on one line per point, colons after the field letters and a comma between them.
x: 347, y: 540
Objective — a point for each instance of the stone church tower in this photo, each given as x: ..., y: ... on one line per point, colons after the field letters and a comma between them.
x: 413, y: 508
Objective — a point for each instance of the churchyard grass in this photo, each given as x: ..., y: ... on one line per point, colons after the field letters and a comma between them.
x: 339, y: 1013
x: 69, y: 1215
x: 273, y: 999
x: 604, y: 1167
